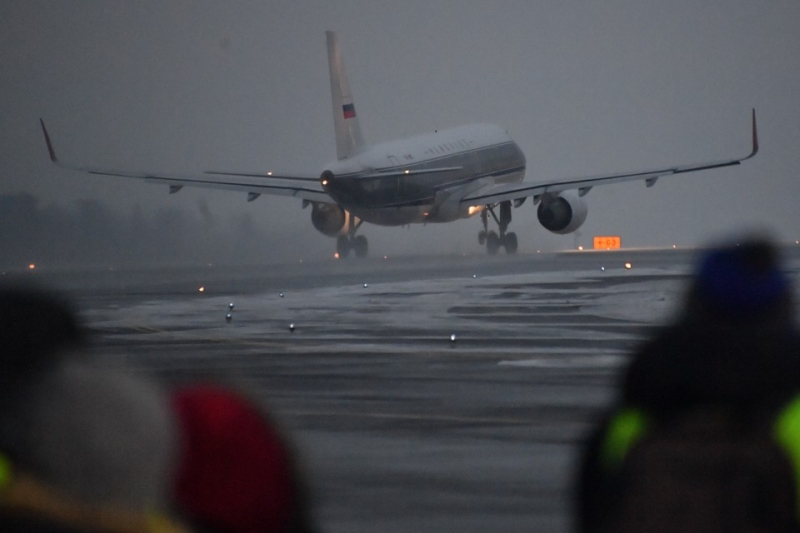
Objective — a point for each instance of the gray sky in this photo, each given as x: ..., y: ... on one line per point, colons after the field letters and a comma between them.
x: 583, y: 87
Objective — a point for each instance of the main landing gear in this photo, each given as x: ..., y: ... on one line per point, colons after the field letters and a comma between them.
x: 351, y: 241
x: 492, y: 240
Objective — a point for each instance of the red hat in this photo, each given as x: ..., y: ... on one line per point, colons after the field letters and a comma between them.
x: 234, y: 472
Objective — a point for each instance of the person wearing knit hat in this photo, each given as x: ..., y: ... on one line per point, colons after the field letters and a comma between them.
x: 236, y: 473
x: 727, y: 368
x: 734, y: 339
x: 83, y: 447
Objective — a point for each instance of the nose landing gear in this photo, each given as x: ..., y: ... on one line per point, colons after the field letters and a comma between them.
x: 492, y: 240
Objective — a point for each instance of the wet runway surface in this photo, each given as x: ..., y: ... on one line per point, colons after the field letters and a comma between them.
x: 399, y: 427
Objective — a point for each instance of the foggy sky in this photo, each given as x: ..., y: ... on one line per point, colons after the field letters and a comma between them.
x: 583, y: 88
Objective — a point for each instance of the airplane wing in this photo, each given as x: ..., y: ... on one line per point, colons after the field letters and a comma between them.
x: 303, y: 187
x: 516, y: 191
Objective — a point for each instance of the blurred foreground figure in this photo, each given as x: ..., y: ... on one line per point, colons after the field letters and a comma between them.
x: 707, y: 433
x: 83, y: 448
x: 236, y: 473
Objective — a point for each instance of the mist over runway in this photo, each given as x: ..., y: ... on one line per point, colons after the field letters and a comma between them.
x: 399, y: 427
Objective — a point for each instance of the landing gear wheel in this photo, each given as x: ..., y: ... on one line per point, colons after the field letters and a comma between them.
x: 342, y: 246
x: 510, y: 242
x: 360, y: 246
x: 492, y: 243
x: 482, y: 237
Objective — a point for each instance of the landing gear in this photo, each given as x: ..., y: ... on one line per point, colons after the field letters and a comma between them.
x: 342, y: 246
x: 492, y: 240
x: 360, y: 246
x: 351, y: 241
x: 492, y: 243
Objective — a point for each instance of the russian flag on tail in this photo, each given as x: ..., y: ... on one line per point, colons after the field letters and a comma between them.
x: 349, y: 111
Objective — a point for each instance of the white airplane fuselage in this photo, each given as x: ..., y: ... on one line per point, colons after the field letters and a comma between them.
x: 386, y: 183
x: 435, y: 177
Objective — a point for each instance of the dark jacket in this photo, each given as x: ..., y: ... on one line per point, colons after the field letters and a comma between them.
x: 754, y: 369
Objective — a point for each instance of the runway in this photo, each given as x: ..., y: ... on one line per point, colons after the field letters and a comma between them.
x: 399, y: 427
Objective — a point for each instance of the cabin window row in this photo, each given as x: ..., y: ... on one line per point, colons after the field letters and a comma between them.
x: 448, y: 147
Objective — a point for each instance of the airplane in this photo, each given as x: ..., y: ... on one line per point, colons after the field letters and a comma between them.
x: 435, y: 177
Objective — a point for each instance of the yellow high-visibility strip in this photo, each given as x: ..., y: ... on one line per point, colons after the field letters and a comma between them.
x: 787, y: 434
x: 624, y: 430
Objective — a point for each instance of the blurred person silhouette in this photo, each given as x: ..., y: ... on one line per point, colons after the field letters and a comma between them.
x: 706, y: 435
x: 236, y: 472
x: 83, y: 447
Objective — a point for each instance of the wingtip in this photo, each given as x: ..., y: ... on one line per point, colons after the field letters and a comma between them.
x: 50, y: 149
x: 755, y: 136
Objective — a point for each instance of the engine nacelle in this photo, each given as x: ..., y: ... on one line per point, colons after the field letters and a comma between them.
x: 331, y: 220
x: 562, y: 214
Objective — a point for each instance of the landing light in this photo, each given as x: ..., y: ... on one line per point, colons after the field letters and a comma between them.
x: 406, y: 172
x: 580, y: 248
x: 269, y: 173
x: 336, y: 255
x: 201, y: 289
x: 31, y: 266
x: 628, y: 266
x: 324, y: 183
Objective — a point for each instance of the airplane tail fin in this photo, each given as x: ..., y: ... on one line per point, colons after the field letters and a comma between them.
x: 345, y: 121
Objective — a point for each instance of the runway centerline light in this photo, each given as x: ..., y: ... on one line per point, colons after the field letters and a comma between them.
x: 366, y: 285
x: 291, y: 327
x: 230, y: 306
x: 453, y: 337
x: 228, y: 318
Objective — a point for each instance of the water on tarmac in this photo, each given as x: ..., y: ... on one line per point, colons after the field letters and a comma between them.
x: 424, y: 394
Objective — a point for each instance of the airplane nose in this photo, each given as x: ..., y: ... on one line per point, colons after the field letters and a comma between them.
x: 326, y: 178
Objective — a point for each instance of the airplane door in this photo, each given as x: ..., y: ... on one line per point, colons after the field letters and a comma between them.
x: 401, y: 180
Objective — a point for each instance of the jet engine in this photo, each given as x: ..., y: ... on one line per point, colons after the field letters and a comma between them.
x: 331, y: 220
x: 563, y: 213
